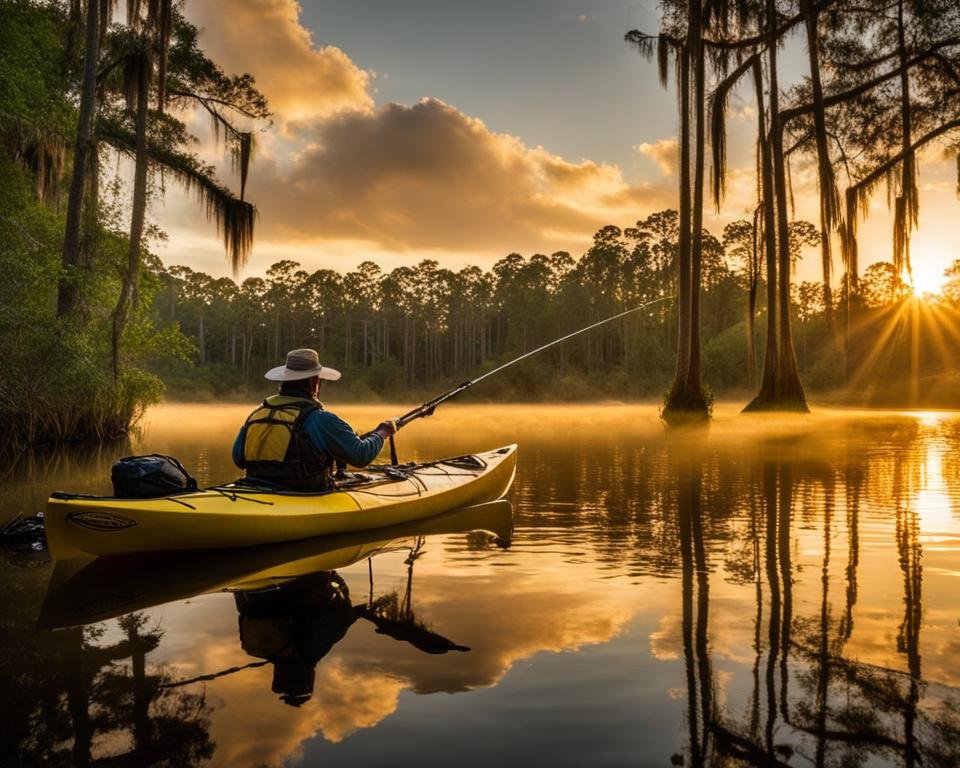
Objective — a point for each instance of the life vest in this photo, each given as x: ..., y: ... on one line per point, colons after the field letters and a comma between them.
x: 276, y: 448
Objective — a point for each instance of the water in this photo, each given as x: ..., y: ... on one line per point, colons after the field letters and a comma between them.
x: 774, y: 590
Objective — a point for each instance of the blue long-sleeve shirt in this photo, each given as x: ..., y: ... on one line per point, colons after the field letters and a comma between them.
x: 328, y: 432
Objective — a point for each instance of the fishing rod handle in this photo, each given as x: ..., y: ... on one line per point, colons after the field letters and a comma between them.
x: 430, y: 406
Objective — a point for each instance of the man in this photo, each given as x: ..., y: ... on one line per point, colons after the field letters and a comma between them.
x: 292, y: 441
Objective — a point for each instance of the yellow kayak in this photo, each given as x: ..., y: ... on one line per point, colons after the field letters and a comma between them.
x: 238, y: 515
x: 87, y: 590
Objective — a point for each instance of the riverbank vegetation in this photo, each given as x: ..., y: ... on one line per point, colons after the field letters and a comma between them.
x: 88, y: 122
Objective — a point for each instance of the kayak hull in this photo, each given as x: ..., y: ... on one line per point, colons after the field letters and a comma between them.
x: 237, y: 516
x: 92, y: 589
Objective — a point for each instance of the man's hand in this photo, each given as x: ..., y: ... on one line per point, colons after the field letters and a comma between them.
x: 386, y: 428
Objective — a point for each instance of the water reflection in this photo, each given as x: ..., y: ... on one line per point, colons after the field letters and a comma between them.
x: 817, y: 704
x: 81, y: 696
x: 116, y: 708
x: 769, y: 591
x: 292, y: 626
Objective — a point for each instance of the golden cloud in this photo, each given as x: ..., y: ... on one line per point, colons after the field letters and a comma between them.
x: 428, y: 176
x: 351, y: 699
x: 302, y: 82
x: 663, y: 152
x: 338, y: 172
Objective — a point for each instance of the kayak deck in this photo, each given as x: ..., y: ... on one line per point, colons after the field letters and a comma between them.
x: 238, y: 514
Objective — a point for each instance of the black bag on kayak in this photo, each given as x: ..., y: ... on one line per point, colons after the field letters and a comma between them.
x: 146, y: 477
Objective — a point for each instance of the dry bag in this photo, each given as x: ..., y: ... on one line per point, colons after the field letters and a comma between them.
x: 146, y: 477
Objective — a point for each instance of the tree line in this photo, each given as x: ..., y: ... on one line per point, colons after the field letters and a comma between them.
x: 81, y: 87
x: 415, y: 330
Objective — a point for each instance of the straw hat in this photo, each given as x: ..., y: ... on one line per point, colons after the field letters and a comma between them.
x: 302, y: 364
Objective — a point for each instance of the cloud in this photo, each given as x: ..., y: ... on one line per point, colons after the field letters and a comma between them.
x: 351, y: 699
x: 663, y: 152
x: 301, y: 81
x: 340, y: 175
x: 429, y: 176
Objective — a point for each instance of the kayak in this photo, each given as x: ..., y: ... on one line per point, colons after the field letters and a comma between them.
x: 240, y: 514
x: 87, y: 590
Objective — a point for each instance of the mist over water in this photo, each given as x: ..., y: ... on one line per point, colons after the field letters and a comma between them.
x: 768, y: 589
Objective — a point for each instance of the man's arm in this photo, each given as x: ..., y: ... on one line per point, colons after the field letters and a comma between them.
x: 238, y: 447
x: 332, y: 434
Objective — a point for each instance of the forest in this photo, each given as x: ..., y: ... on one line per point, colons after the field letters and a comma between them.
x: 417, y: 330
x: 881, y: 87
x: 95, y: 99
x: 84, y: 89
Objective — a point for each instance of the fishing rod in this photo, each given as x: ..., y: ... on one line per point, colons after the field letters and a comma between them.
x: 430, y: 406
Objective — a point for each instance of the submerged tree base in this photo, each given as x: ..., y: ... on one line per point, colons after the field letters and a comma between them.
x: 789, y: 403
x: 687, y: 405
x: 781, y: 388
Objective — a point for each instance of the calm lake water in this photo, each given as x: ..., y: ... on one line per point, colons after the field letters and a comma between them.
x: 770, y: 590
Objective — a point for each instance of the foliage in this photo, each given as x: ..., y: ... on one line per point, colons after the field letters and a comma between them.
x: 55, y: 384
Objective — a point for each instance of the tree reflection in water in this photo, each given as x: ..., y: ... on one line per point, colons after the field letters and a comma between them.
x: 800, y: 623
x: 843, y: 711
x: 101, y: 705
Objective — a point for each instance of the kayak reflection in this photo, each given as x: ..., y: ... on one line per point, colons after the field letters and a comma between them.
x: 85, y: 591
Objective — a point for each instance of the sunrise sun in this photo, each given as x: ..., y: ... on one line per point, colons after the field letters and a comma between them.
x: 929, y: 260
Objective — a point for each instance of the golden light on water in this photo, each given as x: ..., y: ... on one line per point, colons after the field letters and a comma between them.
x: 858, y: 510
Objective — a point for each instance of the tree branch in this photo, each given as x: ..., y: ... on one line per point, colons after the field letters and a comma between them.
x: 892, y: 162
x: 207, y: 100
x: 839, y: 98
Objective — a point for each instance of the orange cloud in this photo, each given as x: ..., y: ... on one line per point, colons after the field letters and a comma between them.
x: 338, y: 175
x: 429, y: 176
x: 663, y: 152
x: 302, y: 82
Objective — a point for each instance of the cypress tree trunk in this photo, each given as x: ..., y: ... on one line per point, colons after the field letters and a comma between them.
x: 675, y: 397
x: 695, y: 400
x: 128, y: 291
x: 790, y: 395
x: 67, y: 292
x: 780, y: 388
x: 754, y: 279
x: 768, y: 379
x: 685, y: 399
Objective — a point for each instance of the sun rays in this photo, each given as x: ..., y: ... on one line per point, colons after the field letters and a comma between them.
x: 916, y: 335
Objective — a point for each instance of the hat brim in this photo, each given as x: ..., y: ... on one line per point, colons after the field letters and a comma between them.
x: 282, y: 373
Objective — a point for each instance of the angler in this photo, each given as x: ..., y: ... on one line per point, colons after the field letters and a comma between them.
x: 291, y: 441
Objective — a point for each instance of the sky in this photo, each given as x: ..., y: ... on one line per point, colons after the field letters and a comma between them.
x: 462, y: 132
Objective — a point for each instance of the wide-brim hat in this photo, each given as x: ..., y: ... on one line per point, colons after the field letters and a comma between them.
x: 302, y: 364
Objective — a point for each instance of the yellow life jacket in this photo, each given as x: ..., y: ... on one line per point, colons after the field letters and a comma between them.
x: 275, y: 447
